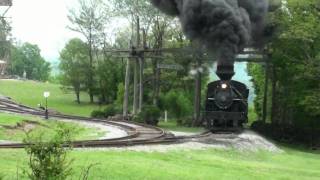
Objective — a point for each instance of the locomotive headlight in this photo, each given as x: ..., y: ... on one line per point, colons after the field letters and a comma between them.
x: 223, y: 95
x: 224, y: 86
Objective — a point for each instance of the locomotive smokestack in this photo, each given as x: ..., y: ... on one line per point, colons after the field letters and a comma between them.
x: 224, y: 26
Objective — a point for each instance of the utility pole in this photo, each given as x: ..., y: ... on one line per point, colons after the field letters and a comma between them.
x: 142, y: 70
x: 126, y: 90
x: 136, y: 70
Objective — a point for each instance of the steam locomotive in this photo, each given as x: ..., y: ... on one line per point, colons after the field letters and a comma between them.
x: 226, y: 105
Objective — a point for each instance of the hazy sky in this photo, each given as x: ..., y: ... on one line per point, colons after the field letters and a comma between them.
x: 42, y: 22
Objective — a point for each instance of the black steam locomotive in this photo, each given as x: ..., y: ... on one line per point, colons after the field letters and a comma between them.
x: 226, y: 105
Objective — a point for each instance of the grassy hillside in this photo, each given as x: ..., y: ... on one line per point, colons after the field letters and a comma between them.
x: 12, y: 127
x: 31, y: 93
x: 204, y: 164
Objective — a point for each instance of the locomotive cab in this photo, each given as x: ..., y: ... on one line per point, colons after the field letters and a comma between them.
x: 226, y: 105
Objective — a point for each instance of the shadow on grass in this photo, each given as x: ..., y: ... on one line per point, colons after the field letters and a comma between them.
x: 299, y: 147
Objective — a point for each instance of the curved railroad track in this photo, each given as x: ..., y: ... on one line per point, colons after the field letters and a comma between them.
x: 137, y: 133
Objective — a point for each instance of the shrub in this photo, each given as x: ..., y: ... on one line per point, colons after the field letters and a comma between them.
x: 179, y: 105
x: 110, y: 110
x: 149, y: 115
x: 48, y: 159
x: 97, y: 114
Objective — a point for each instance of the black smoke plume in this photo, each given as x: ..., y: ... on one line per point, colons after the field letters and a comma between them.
x: 225, y: 27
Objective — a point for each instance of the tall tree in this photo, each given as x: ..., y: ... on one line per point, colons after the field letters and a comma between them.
x: 5, y: 30
x: 27, y: 58
x: 89, y: 20
x: 73, y: 65
x: 142, y: 14
x: 295, y: 72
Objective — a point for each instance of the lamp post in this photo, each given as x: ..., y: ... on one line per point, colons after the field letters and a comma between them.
x: 46, y: 95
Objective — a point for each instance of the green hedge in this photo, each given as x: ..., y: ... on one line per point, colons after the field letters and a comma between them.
x: 109, y: 111
x: 149, y: 115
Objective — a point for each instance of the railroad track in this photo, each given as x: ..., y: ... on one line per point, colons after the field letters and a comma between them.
x: 137, y: 133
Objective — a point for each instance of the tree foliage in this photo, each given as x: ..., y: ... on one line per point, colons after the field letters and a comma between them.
x: 294, y: 52
x: 27, y: 58
x: 74, y: 65
x: 161, y: 31
x: 48, y: 159
x: 90, y: 20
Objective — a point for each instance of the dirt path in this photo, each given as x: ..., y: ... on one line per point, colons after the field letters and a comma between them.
x: 246, y: 141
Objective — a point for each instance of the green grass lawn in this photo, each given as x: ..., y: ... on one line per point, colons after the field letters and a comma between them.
x: 45, y: 128
x: 204, y: 164
x: 31, y: 93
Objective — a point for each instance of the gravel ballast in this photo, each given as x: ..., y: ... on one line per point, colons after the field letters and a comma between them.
x: 245, y: 141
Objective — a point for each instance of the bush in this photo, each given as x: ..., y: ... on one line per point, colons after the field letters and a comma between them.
x: 48, y: 159
x: 110, y: 110
x: 149, y: 115
x: 179, y: 105
x: 97, y: 114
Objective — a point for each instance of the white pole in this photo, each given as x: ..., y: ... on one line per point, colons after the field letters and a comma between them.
x: 165, y: 116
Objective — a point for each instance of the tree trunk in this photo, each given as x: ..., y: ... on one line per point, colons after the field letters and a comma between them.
x: 126, y: 90
x: 141, y: 84
x: 142, y: 72
x: 103, y: 98
x: 78, y: 96
x: 197, y: 95
x: 154, y: 64
x: 90, y: 84
x: 135, y: 87
x: 159, y: 33
x: 136, y: 71
x: 274, y: 96
x: 156, y: 84
x: 265, y: 98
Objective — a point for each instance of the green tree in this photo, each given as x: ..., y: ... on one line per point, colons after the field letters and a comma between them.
x: 5, y: 43
x: 178, y: 104
x: 27, y: 58
x: 73, y: 65
x: 90, y: 20
x: 294, y: 51
x: 108, y: 73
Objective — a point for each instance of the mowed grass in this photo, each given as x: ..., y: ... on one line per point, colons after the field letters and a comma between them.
x: 31, y: 93
x: 204, y: 164
x: 41, y: 127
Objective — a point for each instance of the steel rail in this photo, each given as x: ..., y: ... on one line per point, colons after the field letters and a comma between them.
x: 146, y: 135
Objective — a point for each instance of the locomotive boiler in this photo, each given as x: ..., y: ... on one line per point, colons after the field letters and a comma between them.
x: 226, y: 105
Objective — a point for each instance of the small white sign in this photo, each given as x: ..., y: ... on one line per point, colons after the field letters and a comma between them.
x: 46, y: 94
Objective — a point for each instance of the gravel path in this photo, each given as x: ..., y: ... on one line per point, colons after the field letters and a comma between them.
x: 246, y: 141
x: 176, y: 133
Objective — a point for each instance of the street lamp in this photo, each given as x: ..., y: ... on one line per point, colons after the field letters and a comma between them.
x: 46, y: 95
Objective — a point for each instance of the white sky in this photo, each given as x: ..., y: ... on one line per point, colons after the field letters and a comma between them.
x: 42, y: 22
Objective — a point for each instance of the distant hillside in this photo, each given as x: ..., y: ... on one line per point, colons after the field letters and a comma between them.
x: 54, y: 66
